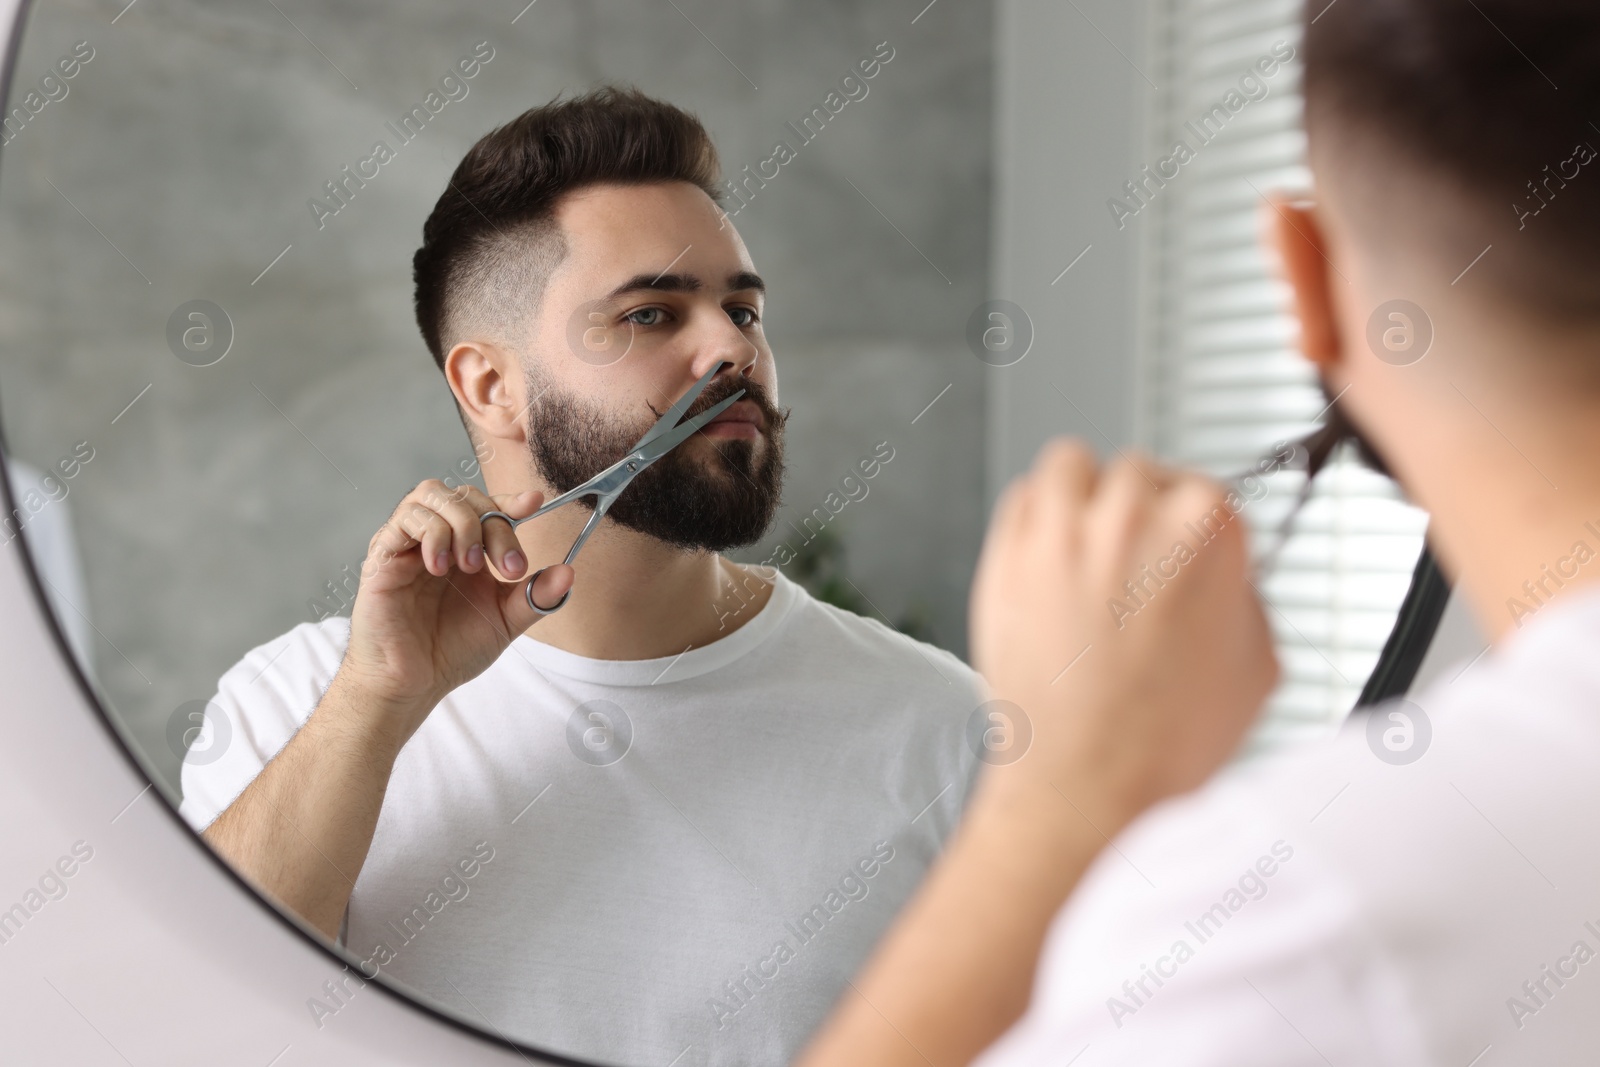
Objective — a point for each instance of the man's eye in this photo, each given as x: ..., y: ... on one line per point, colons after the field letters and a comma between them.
x: 743, y: 316
x: 652, y: 317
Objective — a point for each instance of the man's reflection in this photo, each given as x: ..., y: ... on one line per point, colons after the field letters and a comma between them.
x: 670, y: 828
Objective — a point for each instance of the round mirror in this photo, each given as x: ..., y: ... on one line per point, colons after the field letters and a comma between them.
x: 667, y: 823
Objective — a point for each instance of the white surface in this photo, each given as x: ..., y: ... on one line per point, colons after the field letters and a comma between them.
x: 631, y: 901
x: 54, y: 546
x: 1413, y: 903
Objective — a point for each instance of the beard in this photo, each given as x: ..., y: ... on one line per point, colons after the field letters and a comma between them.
x: 702, y: 504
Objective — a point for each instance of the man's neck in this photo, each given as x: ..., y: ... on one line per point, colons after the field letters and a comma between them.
x: 635, y: 597
x: 1514, y: 495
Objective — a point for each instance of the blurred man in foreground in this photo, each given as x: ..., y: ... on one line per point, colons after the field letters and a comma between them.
x: 1326, y: 906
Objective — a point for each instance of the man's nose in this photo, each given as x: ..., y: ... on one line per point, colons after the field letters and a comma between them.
x: 719, y: 340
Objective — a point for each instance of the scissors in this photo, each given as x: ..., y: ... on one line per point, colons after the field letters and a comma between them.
x: 1309, y: 453
x: 667, y: 433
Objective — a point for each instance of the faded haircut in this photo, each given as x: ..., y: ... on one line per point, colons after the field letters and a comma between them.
x: 492, y: 241
x: 1463, y: 125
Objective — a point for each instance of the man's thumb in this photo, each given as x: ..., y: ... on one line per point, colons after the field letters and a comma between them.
x: 551, y: 587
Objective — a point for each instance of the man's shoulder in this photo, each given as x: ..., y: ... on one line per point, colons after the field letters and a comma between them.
x: 259, y: 704
x: 874, y: 643
x: 308, y: 651
x: 276, y: 685
x: 1379, y: 860
x: 1515, y: 727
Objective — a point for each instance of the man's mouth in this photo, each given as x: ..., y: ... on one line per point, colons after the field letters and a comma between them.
x: 743, y: 419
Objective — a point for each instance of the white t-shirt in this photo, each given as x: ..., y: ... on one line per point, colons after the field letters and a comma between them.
x: 1336, y: 906
x: 677, y: 860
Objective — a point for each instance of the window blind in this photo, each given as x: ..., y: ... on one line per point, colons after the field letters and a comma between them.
x: 1221, y: 380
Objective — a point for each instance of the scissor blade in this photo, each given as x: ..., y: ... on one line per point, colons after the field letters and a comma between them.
x: 666, y: 442
x: 670, y: 418
x: 577, y: 492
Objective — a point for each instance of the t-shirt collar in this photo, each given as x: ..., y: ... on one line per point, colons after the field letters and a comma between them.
x: 665, y: 670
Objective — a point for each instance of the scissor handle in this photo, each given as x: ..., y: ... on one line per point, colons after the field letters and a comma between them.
x: 545, y: 611
x: 528, y: 589
x: 487, y: 515
x: 602, y: 505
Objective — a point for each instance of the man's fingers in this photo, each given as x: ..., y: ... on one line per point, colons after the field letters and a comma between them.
x: 1010, y: 511
x: 500, y: 539
x: 434, y: 534
x: 462, y: 509
x: 1063, y: 482
x: 553, y: 583
x: 446, y: 525
x: 389, y: 542
x: 1203, y: 502
x: 1066, y: 471
x: 414, y: 523
x: 1156, y: 475
x: 495, y: 540
x: 517, y: 505
x: 1117, y: 521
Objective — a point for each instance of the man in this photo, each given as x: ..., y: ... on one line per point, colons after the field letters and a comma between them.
x: 670, y: 827
x: 1333, y: 905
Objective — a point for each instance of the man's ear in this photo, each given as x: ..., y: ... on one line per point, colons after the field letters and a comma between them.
x: 487, y: 381
x: 1303, y: 250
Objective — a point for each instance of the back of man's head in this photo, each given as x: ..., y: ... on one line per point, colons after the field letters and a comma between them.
x: 492, y: 241
x: 1442, y: 127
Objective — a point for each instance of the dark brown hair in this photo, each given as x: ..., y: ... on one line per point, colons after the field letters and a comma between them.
x: 491, y: 242
x: 1492, y: 101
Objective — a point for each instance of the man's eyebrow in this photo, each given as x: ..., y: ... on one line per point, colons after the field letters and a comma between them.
x: 669, y: 283
x: 684, y: 283
x: 746, y: 279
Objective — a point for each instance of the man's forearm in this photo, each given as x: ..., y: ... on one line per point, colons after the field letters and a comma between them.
x: 957, y: 967
x: 302, y: 829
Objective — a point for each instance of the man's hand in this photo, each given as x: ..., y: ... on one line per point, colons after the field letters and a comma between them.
x: 430, y: 613
x: 1165, y: 674
x: 1131, y: 696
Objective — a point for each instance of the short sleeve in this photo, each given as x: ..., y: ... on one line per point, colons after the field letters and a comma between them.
x: 259, y: 704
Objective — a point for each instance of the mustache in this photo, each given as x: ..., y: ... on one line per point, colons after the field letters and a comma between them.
x: 720, y: 389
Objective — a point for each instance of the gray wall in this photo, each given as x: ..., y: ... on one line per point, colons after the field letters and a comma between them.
x: 179, y: 166
x: 1073, y: 70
